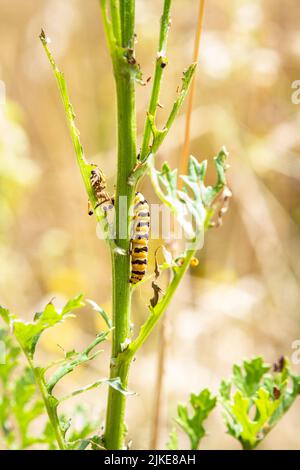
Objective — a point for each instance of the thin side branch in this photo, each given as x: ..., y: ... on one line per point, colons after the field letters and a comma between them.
x: 161, y: 62
x: 84, y: 167
x: 159, y: 135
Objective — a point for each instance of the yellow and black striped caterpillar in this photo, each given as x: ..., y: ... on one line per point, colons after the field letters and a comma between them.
x: 139, y: 240
x: 98, y: 182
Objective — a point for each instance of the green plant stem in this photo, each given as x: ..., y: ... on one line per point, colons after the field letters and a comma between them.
x: 50, y: 404
x: 116, y: 20
x: 114, y: 435
x: 127, y: 9
x: 125, y: 90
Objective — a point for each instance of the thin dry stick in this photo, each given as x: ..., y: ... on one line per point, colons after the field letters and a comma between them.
x: 158, y: 393
x: 186, y: 145
x: 163, y: 341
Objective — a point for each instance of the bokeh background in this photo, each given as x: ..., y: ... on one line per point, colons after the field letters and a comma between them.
x: 243, y: 299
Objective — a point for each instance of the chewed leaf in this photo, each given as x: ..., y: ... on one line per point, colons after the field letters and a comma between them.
x: 221, y: 166
x: 117, y: 385
x: 72, y: 304
x: 248, y: 378
x: 74, y: 360
x: 254, y: 399
x: 193, y: 205
x: 28, y: 333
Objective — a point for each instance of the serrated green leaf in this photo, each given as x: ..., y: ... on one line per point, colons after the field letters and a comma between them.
x: 193, y: 205
x: 117, y: 385
x: 259, y: 399
x: 211, y: 192
x: 11, y: 352
x: 103, y: 314
x: 70, y: 363
x: 248, y: 378
x: 26, y: 406
x: 202, y: 404
x: 250, y: 429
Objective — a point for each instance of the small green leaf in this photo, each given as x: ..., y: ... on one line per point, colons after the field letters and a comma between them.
x: 26, y: 406
x: 221, y: 166
x: 201, y: 404
x: 173, y: 442
x: 254, y: 400
x: 73, y: 304
x: 64, y: 424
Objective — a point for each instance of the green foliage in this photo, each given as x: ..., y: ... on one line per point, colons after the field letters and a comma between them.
x: 192, y: 425
x: 74, y: 359
x: 195, y: 201
x: 195, y: 204
x: 84, y: 166
x: 29, y: 333
x: 26, y: 407
x: 255, y: 399
x: 100, y: 310
x: 20, y: 403
x: 118, y: 20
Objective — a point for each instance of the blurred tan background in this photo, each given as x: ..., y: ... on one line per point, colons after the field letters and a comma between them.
x: 243, y: 299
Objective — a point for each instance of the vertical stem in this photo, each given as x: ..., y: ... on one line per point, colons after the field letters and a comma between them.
x: 125, y: 89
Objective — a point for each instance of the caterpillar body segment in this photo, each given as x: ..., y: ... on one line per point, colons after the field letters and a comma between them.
x: 140, y: 238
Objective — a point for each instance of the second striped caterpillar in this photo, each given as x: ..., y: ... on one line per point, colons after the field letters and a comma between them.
x: 140, y: 238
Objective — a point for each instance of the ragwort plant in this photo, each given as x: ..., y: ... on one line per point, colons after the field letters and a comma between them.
x: 196, y: 208
x: 194, y: 199
x: 253, y: 400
